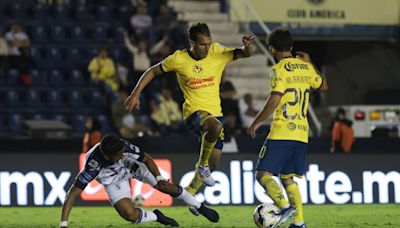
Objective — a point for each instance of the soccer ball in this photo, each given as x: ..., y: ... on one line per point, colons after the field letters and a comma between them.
x: 266, y: 215
x: 138, y: 201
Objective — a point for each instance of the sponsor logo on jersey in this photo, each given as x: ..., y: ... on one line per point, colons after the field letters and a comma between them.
x: 291, y: 126
x: 197, y: 69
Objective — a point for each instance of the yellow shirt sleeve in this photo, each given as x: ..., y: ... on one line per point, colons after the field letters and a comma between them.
x: 277, y: 83
x: 225, y: 53
x: 316, y: 79
x: 169, y: 63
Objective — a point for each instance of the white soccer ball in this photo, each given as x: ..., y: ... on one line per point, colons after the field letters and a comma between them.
x: 138, y: 201
x: 266, y: 215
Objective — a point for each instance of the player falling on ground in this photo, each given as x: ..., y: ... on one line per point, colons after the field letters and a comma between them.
x: 284, y: 151
x: 114, y: 161
x: 199, y: 70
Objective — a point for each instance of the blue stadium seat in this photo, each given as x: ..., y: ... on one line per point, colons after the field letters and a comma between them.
x: 54, y: 58
x: 36, y: 54
x: 12, y: 99
x: 99, y: 34
x: 12, y: 77
x: 105, y: 124
x: 17, y: 11
x: 61, y: 13
x: 58, y: 34
x: 75, y: 58
x: 39, y: 34
x: 56, y: 78
x: 38, y: 116
x: 95, y: 99
x: 60, y: 117
x: 78, y: 34
x: 125, y: 13
x: 75, y: 99
x: 14, y: 123
x: 55, y: 99
x: 38, y: 77
x: 119, y: 35
x: 103, y: 14
x: 40, y: 13
x: 78, y: 123
x: 121, y: 55
x: 33, y: 99
x: 82, y: 15
x: 76, y: 78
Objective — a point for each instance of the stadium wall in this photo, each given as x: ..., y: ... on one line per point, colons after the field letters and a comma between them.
x: 42, y: 179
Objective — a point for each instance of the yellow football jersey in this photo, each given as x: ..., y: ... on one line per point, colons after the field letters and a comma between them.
x: 292, y: 78
x: 199, y: 80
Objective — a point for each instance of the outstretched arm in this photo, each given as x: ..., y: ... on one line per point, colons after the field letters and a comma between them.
x: 133, y: 100
x: 68, y: 203
x: 268, y: 109
x: 246, y: 50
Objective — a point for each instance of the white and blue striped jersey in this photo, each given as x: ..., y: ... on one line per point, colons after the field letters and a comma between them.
x: 106, y: 172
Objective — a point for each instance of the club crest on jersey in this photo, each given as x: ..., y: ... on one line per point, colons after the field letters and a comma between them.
x: 94, y: 164
x: 197, y: 69
x: 291, y: 126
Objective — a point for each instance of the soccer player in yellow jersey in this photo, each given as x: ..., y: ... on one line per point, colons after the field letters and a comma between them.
x: 283, y: 152
x: 198, y: 70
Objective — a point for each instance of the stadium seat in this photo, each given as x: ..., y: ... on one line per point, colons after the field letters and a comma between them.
x: 105, y: 125
x: 17, y: 11
x: 99, y: 34
x: 76, y: 78
x: 58, y: 34
x: 95, y: 99
x: 60, y: 117
x: 12, y: 77
x: 55, y: 99
x: 39, y: 34
x: 12, y: 99
x: 82, y: 15
x: 60, y: 13
x: 39, y: 13
x: 119, y: 35
x: 14, y: 123
x: 78, y: 34
x: 36, y: 54
x: 75, y: 58
x: 75, y: 99
x: 33, y: 99
x: 56, y: 78
x: 38, y: 77
x: 103, y: 14
x: 78, y: 123
x: 54, y: 58
x: 125, y: 13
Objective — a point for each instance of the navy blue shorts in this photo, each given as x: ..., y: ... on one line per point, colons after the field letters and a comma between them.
x: 285, y: 158
x: 194, y: 121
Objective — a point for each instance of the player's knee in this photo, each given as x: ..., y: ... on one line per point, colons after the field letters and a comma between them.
x: 287, y: 181
x: 215, y: 131
x: 260, y: 175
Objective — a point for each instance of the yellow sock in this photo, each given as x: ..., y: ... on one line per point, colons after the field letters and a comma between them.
x: 195, y: 184
x: 294, y: 196
x: 205, y: 150
x: 274, y: 191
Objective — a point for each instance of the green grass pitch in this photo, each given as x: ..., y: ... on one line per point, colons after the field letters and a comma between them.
x: 326, y: 216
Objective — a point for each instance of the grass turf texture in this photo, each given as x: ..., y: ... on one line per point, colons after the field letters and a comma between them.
x: 326, y: 216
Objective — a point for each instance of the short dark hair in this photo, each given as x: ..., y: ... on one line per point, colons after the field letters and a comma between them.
x: 280, y: 39
x: 198, y: 28
x: 110, y: 145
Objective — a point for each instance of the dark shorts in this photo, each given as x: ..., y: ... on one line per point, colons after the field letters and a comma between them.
x: 194, y: 122
x: 285, y: 158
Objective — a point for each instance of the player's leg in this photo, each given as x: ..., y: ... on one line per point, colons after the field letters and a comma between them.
x: 296, y: 168
x: 177, y: 192
x: 210, y: 132
x: 120, y: 197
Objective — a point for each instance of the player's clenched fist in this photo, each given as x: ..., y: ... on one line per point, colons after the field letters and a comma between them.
x: 131, y: 102
x: 246, y: 40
